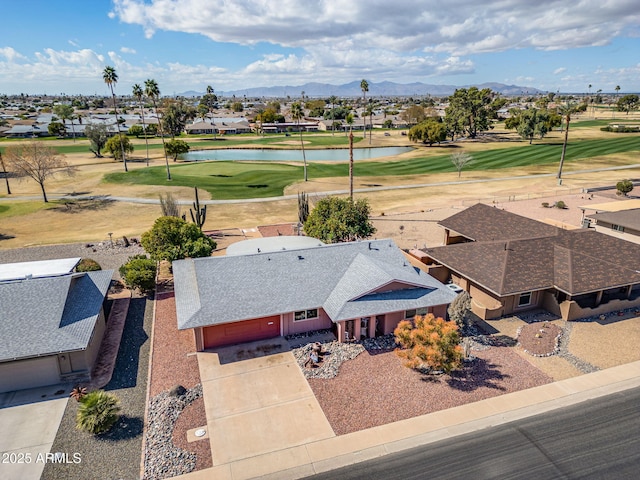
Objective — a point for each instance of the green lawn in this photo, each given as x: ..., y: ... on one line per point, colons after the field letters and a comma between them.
x: 13, y: 209
x: 236, y: 180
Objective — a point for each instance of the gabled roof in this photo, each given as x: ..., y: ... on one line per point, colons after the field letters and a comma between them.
x: 574, y: 261
x: 48, y: 315
x: 344, y: 279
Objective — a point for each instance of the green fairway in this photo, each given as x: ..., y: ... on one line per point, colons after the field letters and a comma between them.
x: 236, y: 180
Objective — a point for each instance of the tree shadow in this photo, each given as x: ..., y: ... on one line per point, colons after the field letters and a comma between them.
x: 6, y: 237
x: 125, y: 428
x: 477, y: 374
x: 83, y: 205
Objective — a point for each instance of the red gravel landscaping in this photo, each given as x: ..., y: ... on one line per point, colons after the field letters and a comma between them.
x: 375, y: 389
x: 173, y: 362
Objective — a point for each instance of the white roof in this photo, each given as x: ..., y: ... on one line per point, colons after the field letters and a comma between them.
x: 272, y: 244
x: 42, y: 268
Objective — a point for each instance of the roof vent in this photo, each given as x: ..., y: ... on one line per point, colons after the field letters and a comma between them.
x: 300, y: 257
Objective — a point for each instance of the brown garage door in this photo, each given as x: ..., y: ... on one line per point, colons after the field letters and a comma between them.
x: 240, y: 332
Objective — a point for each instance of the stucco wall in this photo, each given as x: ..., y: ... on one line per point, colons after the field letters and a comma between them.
x: 628, y: 235
x: 572, y: 311
x: 290, y: 327
x: 31, y: 373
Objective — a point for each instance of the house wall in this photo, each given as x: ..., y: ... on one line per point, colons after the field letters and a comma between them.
x: 571, y: 310
x: 439, y: 272
x: 31, y: 373
x: 629, y: 235
x: 290, y: 327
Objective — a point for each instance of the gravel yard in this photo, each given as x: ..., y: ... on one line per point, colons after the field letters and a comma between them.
x: 116, y: 454
x: 174, y: 363
x: 394, y: 392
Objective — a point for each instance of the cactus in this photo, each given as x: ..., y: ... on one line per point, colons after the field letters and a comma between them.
x: 198, y: 214
x: 303, y: 207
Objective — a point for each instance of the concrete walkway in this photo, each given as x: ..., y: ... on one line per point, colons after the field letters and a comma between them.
x: 334, y: 452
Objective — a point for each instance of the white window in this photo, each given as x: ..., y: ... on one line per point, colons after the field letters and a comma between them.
x: 305, y: 314
x: 415, y: 311
x: 617, y: 227
x: 524, y: 299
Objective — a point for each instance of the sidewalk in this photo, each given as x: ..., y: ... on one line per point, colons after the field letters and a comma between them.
x: 328, y: 454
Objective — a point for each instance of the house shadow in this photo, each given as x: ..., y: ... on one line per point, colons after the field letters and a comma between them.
x: 247, y: 351
x: 125, y: 373
x: 477, y: 374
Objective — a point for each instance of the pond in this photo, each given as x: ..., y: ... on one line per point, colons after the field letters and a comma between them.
x: 327, y: 154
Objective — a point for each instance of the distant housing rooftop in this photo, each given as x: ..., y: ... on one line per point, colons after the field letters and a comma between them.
x: 43, y: 268
x: 272, y: 244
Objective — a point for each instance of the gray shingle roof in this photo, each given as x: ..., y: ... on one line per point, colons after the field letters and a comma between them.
x: 341, y: 278
x: 625, y: 218
x: 43, y: 316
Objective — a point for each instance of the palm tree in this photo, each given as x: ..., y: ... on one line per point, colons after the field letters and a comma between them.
x: 98, y: 412
x: 370, y: 112
x: 110, y: 77
x: 617, y: 93
x: 153, y: 92
x: 349, y: 120
x: 139, y: 93
x: 565, y: 111
x: 333, y: 99
x: 364, y: 86
x: 297, y: 113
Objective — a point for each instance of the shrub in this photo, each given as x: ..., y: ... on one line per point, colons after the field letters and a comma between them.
x: 172, y: 238
x: 88, y: 265
x: 624, y: 187
x: 561, y: 205
x: 459, y: 310
x: 139, y: 272
x: 432, y: 344
x: 545, y: 204
x: 98, y: 412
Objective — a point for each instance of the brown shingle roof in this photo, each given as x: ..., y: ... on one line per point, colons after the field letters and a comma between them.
x: 482, y: 222
x: 574, y: 261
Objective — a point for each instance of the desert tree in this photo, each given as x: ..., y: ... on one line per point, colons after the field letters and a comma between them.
x: 38, y: 162
x: 118, y: 144
x: 152, y: 91
x: 623, y: 187
x: 169, y: 205
x: 297, y: 112
x: 429, y: 131
x: 459, y: 310
x: 5, y: 174
x: 337, y: 219
x: 173, y: 238
x: 460, y: 160
x: 429, y: 343
x: 98, y: 137
x: 110, y: 77
x: 66, y: 112
x: 138, y: 93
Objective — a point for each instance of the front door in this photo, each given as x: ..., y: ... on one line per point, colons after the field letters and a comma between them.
x: 379, y: 325
x: 364, y: 327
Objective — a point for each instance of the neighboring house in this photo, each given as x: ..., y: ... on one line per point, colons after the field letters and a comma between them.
x: 201, y: 128
x: 358, y: 289
x: 509, y: 263
x: 51, y: 323
x: 624, y: 224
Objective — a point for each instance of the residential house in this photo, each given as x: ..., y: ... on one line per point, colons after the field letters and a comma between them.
x: 623, y: 224
x: 51, y: 322
x: 358, y: 289
x: 509, y: 264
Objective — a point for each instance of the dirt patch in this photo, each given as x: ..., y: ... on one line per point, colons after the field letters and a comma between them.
x: 539, y: 339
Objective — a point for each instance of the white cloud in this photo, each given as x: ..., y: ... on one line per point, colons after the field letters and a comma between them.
x: 127, y: 50
x: 560, y: 70
x: 10, y: 54
x: 458, y: 28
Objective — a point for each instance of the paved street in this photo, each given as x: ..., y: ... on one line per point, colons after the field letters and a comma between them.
x: 596, y: 439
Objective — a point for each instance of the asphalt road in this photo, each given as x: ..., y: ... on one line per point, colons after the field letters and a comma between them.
x: 598, y: 439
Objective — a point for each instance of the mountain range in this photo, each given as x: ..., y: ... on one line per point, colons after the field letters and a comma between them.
x: 382, y: 89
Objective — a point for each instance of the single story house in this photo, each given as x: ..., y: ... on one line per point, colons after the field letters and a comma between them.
x: 623, y: 224
x: 51, y: 322
x: 358, y: 289
x: 509, y: 263
x: 201, y: 128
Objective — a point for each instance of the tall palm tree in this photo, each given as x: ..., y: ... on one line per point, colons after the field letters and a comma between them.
x: 565, y: 111
x: 370, y: 112
x: 364, y: 86
x: 153, y: 92
x: 110, y: 77
x: 139, y: 93
x: 333, y: 99
x: 297, y: 113
x: 349, y: 120
x: 617, y: 93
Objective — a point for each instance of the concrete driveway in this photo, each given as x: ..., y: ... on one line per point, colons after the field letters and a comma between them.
x: 29, y: 421
x: 257, y: 401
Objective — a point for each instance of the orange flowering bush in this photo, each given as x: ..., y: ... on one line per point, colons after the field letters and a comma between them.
x: 429, y: 342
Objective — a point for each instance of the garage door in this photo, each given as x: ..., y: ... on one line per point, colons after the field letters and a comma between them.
x: 31, y: 373
x: 241, y: 332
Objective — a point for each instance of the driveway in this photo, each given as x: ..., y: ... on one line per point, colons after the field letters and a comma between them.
x: 29, y: 421
x: 257, y: 401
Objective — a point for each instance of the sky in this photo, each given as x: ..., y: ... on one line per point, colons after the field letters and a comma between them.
x: 62, y: 46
